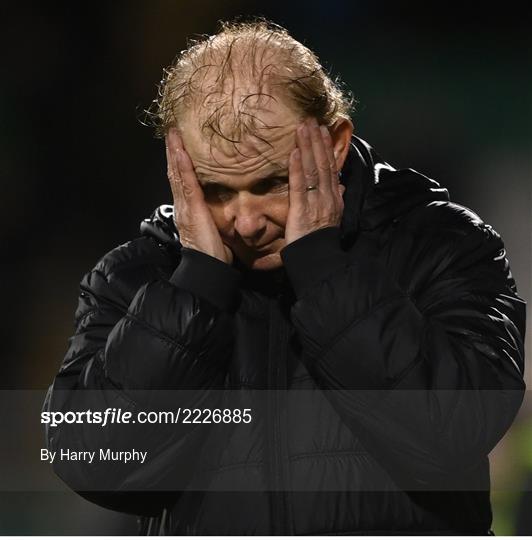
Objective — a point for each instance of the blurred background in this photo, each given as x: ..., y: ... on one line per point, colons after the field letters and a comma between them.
x: 442, y: 88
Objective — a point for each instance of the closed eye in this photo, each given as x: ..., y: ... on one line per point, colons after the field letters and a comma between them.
x: 271, y: 185
x: 215, y: 193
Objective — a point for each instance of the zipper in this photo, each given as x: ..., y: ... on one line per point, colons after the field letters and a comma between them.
x: 276, y: 407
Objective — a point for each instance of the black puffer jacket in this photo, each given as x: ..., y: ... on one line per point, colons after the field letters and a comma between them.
x: 394, y: 345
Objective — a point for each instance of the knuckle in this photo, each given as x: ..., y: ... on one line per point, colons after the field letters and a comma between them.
x: 172, y: 177
x: 324, y: 168
x: 188, y: 191
x: 311, y: 173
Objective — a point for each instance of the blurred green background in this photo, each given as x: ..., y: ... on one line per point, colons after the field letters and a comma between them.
x: 443, y: 88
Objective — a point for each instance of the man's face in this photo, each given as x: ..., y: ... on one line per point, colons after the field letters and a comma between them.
x: 246, y: 188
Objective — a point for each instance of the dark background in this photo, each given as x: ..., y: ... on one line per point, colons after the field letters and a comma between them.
x: 442, y: 88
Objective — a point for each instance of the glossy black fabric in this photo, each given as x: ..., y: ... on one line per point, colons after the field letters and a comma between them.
x: 403, y: 326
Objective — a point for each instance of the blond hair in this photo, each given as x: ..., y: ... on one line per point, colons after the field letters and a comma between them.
x: 227, y: 77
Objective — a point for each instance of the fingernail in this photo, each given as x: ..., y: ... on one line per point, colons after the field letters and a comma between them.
x: 303, y: 131
x: 178, y: 155
x: 296, y: 154
x: 324, y: 131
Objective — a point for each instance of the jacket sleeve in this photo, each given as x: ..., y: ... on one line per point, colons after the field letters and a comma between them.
x: 418, y: 346
x: 141, y: 344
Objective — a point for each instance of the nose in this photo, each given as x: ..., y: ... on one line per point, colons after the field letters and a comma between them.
x: 249, y: 219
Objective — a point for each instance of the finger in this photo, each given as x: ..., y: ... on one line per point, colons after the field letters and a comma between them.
x: 310, y: 171
x: 173, y: 139
x: 320, y: 157
x: 173, y: 143
x: 329, y: 151
x: 173, y: 174
x: 296, y: 180
x: 189, y: 183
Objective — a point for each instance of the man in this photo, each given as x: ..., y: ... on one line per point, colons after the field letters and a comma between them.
x: 373, y: 326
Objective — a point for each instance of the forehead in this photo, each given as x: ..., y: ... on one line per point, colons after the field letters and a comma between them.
x: 264, y: 147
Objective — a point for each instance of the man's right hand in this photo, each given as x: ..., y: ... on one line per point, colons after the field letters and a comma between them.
x: 192, y: 216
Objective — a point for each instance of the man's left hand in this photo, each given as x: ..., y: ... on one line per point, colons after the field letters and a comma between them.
x: 315, y: 191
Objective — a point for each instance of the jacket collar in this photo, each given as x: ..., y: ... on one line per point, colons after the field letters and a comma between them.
x: 376, y: 193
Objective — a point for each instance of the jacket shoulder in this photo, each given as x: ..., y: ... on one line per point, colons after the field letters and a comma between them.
x: 119, y: 274
x: 443, y: 238
x: 138, y: 252
x: 449, y: 219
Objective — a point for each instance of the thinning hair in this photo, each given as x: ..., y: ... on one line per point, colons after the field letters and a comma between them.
x: 224, y: 79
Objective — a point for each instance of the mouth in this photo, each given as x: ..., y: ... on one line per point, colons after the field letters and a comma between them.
x: 257, y: 252
x: 264, y: 247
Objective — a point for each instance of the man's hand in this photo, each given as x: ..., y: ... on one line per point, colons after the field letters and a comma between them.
x: 192, y: 216
x: 312, y: 164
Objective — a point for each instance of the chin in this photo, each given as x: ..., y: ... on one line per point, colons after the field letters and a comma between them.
x: 269, y: 261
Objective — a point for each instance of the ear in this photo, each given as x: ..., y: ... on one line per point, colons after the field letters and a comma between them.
x: 341, y: 132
